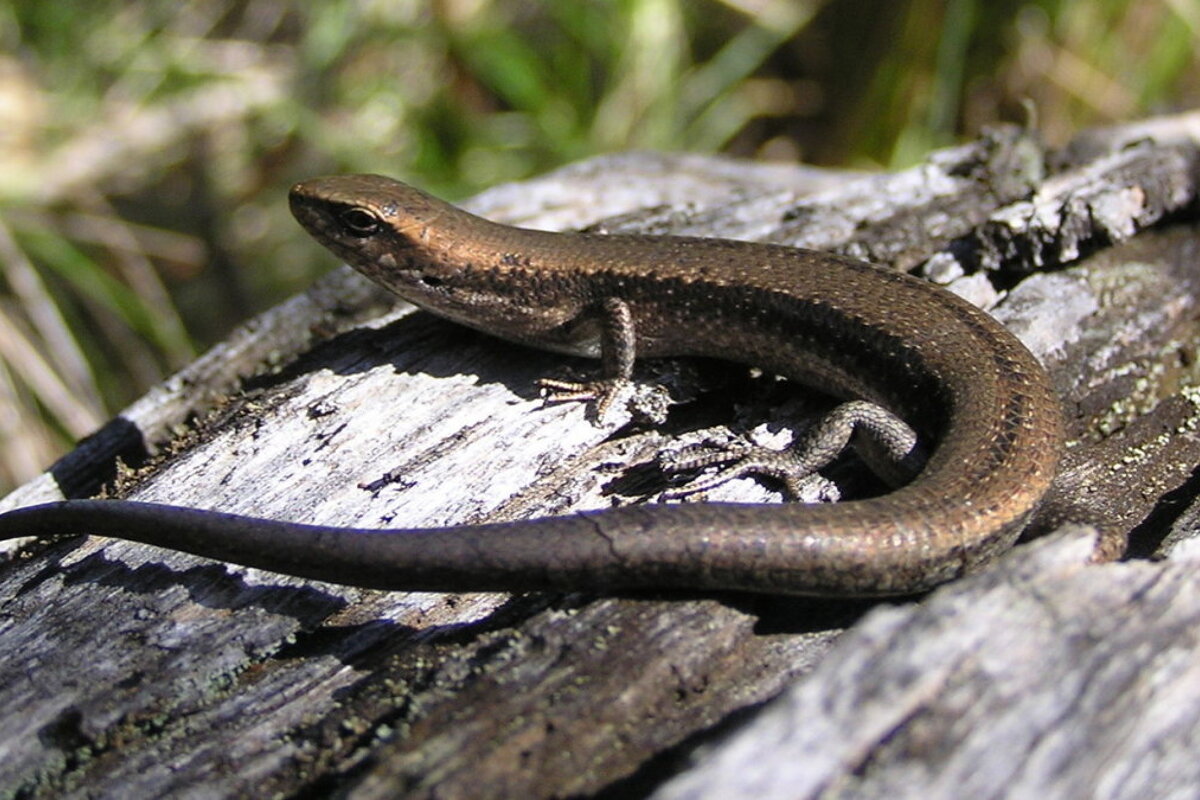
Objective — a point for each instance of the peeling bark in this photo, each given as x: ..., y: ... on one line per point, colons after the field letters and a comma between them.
x: 134, y: 672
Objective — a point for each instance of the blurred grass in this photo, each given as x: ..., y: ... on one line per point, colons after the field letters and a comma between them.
x: 146, y: 147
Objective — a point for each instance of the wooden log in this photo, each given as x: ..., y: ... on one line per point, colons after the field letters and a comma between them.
x: 131, y: 671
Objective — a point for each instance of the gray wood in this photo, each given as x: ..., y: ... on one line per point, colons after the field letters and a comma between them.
x: 1049, y: 678
x: 133, y: 672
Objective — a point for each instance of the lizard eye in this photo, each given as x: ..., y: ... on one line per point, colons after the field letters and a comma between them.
x: 359, y: 222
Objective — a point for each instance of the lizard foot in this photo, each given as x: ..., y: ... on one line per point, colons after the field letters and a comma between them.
x: 887, y: 443
x: 603, y: 392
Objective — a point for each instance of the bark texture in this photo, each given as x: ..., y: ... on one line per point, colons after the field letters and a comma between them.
x: 129, y: 671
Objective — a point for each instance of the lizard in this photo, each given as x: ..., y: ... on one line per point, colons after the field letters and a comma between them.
x: 956, y: 409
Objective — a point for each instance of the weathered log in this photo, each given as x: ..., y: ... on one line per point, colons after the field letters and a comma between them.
x: 131, y: 671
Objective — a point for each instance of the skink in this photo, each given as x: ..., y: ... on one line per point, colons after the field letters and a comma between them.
x: 959, y: 378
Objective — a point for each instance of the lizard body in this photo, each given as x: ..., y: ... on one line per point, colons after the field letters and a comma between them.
x: 960, y: 379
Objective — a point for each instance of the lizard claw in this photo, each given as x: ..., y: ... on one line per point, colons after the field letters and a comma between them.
x: 603, y: 392
x: 740, y: 459
x: 888, y: 444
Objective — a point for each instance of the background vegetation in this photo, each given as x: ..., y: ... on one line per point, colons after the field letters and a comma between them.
x: 146, y: 147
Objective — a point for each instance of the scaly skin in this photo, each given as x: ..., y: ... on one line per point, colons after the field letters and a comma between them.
x: 963, y: 382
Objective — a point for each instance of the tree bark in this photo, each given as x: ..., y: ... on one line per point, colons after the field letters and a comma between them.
x: 129, y: 671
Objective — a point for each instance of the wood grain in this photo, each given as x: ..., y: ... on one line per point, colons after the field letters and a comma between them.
x: 129, y: 671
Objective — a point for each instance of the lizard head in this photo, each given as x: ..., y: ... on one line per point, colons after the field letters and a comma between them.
x: 427, y: 251
x: 372, y: 222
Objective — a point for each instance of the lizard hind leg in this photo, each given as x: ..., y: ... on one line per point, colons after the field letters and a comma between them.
x: 888, y: 444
